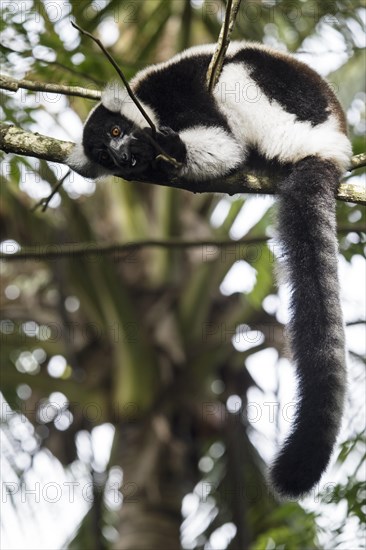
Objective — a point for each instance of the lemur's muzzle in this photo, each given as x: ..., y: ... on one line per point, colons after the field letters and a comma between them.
x: 121, y: 152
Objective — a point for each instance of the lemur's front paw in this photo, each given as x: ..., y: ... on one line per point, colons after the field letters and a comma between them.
x: 170, y: 142
x: 146, y: 155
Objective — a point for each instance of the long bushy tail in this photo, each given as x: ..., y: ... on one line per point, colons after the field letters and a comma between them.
x: 307, y: 230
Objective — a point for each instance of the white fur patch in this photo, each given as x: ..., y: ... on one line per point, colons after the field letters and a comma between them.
x: 78, y: 161
x: 211, y: 152
x: 264, y: 124
x: 116, y: 99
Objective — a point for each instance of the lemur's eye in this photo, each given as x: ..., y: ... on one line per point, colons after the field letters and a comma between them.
x: 116, y: 131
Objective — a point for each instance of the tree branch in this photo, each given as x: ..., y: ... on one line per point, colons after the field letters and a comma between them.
x: 18, y: 141
x: 73, y: 250
x: 13, y: 85
x: 77, y: 250
x: 358, y: 161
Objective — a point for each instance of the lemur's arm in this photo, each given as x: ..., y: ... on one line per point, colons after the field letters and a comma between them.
x: 204, y: 152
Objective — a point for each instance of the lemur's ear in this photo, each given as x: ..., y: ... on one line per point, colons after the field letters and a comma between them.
x: 114, y: 96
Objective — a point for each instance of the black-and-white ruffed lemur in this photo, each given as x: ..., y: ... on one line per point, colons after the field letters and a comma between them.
x: 294, y: 122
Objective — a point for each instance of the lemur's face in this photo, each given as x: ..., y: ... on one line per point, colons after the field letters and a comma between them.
x: 109, y: 141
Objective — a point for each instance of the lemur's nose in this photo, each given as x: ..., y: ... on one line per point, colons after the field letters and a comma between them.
x: 123, y: 152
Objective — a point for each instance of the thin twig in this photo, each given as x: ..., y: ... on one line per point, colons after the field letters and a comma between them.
x: 77, y: 250
x: 120, y: 74
x: 213, y: 70
x: 46, y: 200
x: 215, y: 67
x: 163, y: 155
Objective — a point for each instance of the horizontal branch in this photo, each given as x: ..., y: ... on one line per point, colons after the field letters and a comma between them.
x: 18, y: 141
x: 13, y: 85
x: 76, y: 250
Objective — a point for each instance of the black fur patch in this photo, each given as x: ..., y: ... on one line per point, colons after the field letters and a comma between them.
x: 296, y: 87
x: 178, y: 95
x: 261, y: 165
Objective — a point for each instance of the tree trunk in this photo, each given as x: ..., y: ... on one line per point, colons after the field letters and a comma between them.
x: 157, y: 473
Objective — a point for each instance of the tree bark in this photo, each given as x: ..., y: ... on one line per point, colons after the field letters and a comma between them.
x: 157, y: 473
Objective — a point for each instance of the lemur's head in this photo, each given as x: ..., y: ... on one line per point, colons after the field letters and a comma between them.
x: 107, y: 138
x: 111, y: 142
